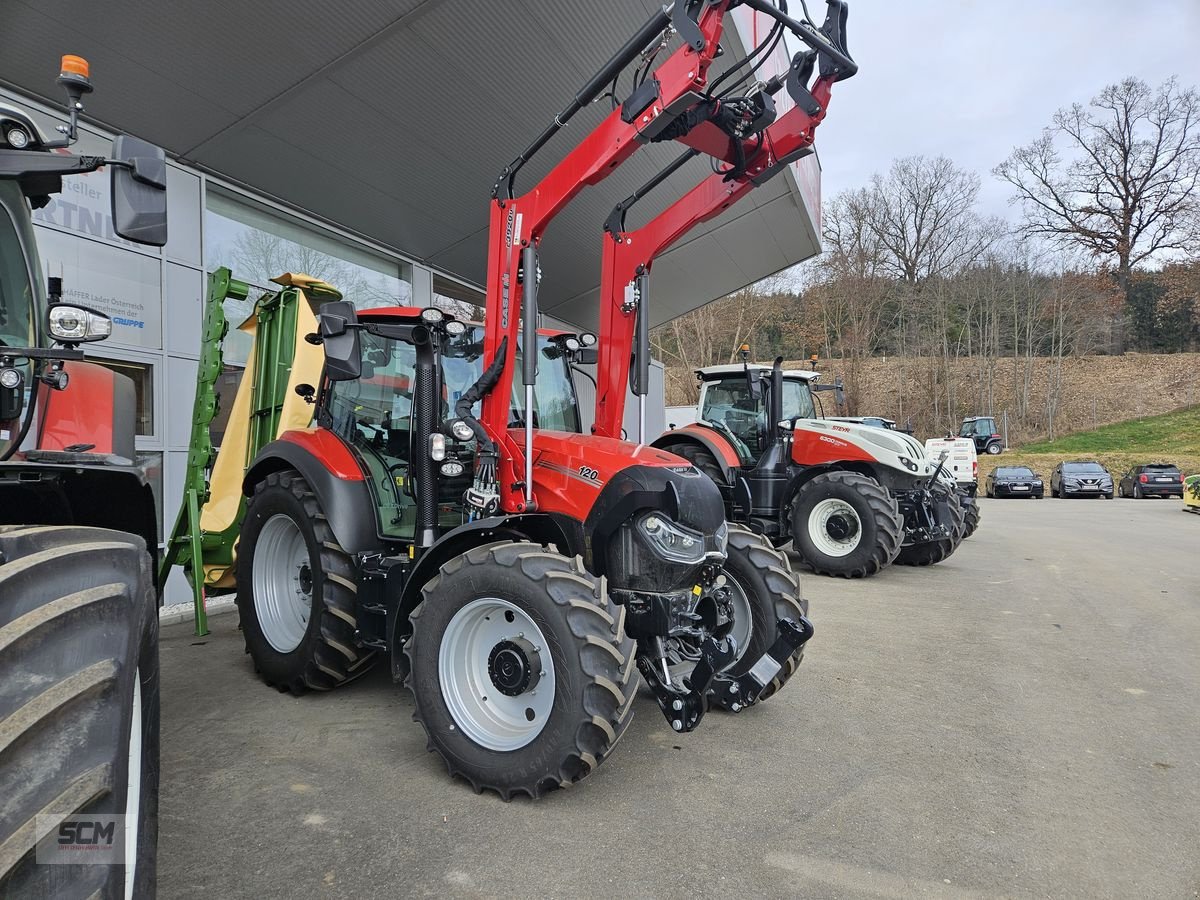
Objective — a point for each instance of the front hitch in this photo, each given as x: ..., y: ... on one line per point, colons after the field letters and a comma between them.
x: 684, y: 703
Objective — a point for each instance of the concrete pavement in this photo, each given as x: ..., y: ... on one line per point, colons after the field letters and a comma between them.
x: 1022, y: 720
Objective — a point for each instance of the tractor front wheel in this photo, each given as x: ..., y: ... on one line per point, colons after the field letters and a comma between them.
x: 297, y: 591
x: 522, y: 675
x: 79, y: 709
x: 846, y: 524
x: 971, y: 518
x: 932, y: 552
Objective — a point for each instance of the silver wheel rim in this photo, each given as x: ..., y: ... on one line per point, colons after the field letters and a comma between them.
x: 133, y: 786
x: 483, y: 644
x: 283, y: 583
x: 834, y: 527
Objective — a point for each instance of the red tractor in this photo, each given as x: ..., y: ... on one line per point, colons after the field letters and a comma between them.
x: 518, y: 575
x: 851, y: 498
x: 78, y: 529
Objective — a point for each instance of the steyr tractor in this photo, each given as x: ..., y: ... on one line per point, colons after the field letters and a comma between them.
x: 516, y: 574
x: 79, y: 689
x: 852, y: 498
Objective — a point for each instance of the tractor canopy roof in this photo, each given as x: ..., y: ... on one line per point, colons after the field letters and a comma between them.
x: 713, y: 373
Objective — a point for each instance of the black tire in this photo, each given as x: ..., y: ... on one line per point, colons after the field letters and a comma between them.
x: 1137, y: 492
x: 994, y: 448
x: 932, y: 552
x: 596, y: 675
x: 78, y: 633
x: 773, y: 592
x: 880, y: 521
x: 971, y: 517
x: 327, y: 655
x: 700, y: 457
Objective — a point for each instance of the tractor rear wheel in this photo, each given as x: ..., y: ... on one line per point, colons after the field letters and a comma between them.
x: 79, y: 706
x: 846, y: 524
x: 297, y: 591
x: 932, y: 552
x: 522, y: 675
x: 700, y: 457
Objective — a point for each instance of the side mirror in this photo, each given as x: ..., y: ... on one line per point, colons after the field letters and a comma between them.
x: 338, y: 325
x: 307, y: 391
x: 139, y: 191
x: 587, y: 356
x: 69, y: 324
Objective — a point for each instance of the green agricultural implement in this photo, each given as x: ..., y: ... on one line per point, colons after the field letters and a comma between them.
x: 204, y: 539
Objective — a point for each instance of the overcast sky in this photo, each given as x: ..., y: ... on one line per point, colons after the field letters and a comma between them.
x: 971, y: 79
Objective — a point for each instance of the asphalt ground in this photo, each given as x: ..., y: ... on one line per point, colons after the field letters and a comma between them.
x: 1022, y: 720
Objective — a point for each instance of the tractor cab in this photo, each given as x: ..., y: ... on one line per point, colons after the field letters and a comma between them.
x: 730, y: 403
x: 374, y: 412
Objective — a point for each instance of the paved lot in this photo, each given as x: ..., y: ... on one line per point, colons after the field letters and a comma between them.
x: 1022, y: 720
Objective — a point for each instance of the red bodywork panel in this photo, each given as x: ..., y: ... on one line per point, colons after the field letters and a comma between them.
x: 628, y: 253
x: 516, y: 223
x: 812, y: 449
x: 84, y: 413
x: 569, y: 470
x: 329, y: 448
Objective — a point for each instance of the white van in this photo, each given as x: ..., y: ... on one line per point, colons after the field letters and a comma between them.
x: 961, y: 462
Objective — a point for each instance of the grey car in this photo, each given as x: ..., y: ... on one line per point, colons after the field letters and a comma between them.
x: 1081, y: 479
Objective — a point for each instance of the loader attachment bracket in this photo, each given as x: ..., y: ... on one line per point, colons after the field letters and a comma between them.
x: 736, y: 692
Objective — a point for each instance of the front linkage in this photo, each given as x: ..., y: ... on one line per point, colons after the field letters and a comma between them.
x: 656, y: 620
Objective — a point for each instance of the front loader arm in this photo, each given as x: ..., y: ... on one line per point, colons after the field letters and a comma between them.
x: 628, y: 255
x: 653, y: 111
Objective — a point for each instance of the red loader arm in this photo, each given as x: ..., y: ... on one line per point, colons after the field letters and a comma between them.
x: 628, y: 255
x: 652, y: 112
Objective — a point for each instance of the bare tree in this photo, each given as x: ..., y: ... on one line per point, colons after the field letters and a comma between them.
x: 1118, y: 177
x: 922, y: 213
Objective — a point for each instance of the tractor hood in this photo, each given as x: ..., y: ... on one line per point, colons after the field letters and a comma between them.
x: 815, y: 441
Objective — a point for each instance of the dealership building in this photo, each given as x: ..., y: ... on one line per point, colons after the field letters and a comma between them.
x: 359, y: 146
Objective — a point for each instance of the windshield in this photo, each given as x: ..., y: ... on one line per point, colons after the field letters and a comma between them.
x: 17, y: 304
x: 16, y: 292
x: 1014, y: 472
x: 373, y: 413
x: 985, y: 427
x: 728, y: 405
x: 1084, y: 468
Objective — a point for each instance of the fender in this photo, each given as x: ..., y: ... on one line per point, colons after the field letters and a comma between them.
x: 711, y: 440
x: 538, y: 528
x: 64, y: 488
x: 346, y: 501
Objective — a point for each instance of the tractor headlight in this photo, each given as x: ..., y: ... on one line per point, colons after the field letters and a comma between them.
x: 671, y: 541
x: 437, y: 447
x: 452, y: 468
x: 571, y: 344
x: 10, y: 378
x: 587, y: 339
x: 461, y: 430
x: 75, y: 324
x: 431, y: 315
x: 454, y: 328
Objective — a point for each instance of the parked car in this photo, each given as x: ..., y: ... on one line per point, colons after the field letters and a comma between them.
x: 982, y: 430
x: 1014, y: 481
x: 1152, y: 480
x: 1081, y: 479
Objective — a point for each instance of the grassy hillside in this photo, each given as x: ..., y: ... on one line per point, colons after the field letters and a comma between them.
x: 1173, y: 438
